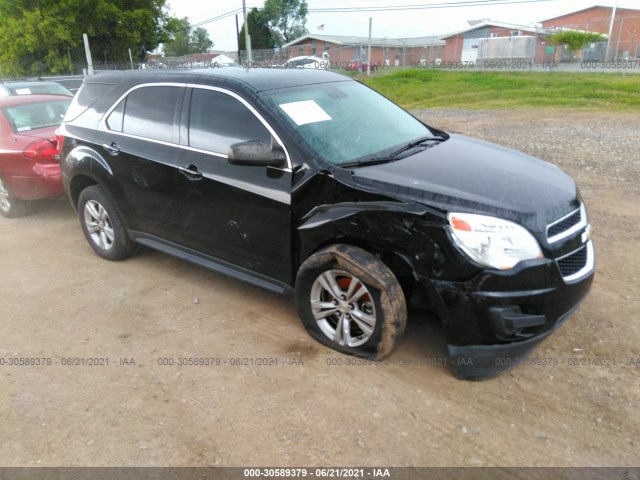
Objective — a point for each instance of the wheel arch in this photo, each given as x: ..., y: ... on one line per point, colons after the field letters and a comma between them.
x: 368, y: 270
x: 77, y: 185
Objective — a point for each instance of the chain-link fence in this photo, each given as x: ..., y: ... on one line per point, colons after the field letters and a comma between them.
x: 516, y: 52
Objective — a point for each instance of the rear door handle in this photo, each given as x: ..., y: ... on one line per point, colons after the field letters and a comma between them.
x: 113, y: 149
x: 191, y: 172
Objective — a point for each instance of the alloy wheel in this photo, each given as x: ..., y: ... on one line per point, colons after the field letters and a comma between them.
x: 98, y: 225
x: 343, y: 308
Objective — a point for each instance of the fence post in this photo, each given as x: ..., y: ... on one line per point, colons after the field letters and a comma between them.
x: 88, y: 53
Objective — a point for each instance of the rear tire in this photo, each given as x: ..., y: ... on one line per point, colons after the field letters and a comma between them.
x: 102, y: 225
x: 10, y: 206
x: 350, y: 301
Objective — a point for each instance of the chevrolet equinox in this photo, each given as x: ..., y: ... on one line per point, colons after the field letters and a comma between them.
x: 308, y: 183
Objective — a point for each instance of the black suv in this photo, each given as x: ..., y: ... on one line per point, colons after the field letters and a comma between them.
x: 306, y: 182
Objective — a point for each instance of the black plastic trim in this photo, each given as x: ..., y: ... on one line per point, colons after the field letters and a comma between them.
x: 476, y: 362
x: 211, y: 263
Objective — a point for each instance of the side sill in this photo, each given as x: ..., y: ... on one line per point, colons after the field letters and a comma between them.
x: 212, y: 263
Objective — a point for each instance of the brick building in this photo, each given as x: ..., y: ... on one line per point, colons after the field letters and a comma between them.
x: 490, y: 40
x: 625, y: 36
x: 483, y: 41
x: 384, y: 51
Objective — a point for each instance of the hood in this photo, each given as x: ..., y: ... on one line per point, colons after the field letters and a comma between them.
x: 470, y: 175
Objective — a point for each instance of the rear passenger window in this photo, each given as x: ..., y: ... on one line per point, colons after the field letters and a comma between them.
x: 218, y: 120
x: 149, y: 112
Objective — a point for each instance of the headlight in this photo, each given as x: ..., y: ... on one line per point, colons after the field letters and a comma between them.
x: 492, y: 241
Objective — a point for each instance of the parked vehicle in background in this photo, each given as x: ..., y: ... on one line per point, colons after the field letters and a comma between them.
x: 306, y: 61
x: 309, y: 183
x: 33, y: 88
x: 29, y: 167
x: 358, y: 65
x: 71, y: 82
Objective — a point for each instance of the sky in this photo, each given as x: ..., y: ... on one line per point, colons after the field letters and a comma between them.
x: 392, y: 24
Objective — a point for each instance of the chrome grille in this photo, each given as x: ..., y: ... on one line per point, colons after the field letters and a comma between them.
x: 574, y: 262
x: 567, y: 225
x: 578, y: 263
x: 564, y: 224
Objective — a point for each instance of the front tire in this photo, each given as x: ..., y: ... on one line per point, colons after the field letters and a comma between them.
x: 10, y: 206
x: 350, y: 301
x: 102, y: 225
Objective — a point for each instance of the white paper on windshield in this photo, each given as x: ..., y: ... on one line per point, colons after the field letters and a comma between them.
x: 23, y: 91
x: 305, y: 112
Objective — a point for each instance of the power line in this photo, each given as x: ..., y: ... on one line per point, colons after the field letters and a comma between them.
x: 219, y: 17
x: 390, y: 8
x: 429, y: 6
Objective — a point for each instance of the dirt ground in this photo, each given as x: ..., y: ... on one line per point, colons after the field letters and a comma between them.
x: 60, y: 303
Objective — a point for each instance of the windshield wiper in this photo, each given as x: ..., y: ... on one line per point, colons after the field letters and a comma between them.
x: 395, y: 155
x: 416, y: 143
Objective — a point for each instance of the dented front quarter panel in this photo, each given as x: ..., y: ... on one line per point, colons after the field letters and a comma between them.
x: 413, y: 239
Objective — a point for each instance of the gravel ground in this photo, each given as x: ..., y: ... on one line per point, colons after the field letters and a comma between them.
x: 61, y: 301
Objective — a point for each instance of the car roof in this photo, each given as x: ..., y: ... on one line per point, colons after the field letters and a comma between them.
x: 13, y: 100
x: 258, y: 79
x: 30, y: 83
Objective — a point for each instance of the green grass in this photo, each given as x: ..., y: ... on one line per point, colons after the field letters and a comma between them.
x: 414, y: 89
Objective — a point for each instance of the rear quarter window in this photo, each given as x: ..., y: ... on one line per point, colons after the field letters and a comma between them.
x: 88, y: 94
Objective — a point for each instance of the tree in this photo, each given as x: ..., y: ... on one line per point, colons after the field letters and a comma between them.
x: 45, y: 36
x: 575, y: 40
x: 287, y: 19
x: 185, y: 39
x: 200, y: 41
x: 261, y: 34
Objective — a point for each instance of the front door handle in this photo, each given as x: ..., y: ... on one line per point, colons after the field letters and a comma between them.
x: 113, y: 148
x: 191, y: 172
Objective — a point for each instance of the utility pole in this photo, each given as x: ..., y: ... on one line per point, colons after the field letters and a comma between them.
x: 238, y: 40
x: 613, y: 17
x: 369, y: 51
x: 247, y: 37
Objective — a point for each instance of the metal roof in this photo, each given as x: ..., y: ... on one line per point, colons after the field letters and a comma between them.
x: 491, y: 23
x: 348, y: 40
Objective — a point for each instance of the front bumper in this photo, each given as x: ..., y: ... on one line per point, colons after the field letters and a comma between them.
x: 476, y: 362
x: 493, y: 321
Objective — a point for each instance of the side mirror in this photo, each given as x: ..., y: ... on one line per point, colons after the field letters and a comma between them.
x: 256, y: 153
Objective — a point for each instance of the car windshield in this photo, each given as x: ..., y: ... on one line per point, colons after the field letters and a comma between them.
x: 30, y: 116
x: 345, y: 122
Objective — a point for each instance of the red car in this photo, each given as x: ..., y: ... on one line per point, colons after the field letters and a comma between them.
x: 359, y: 65
x: 29, y: 167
